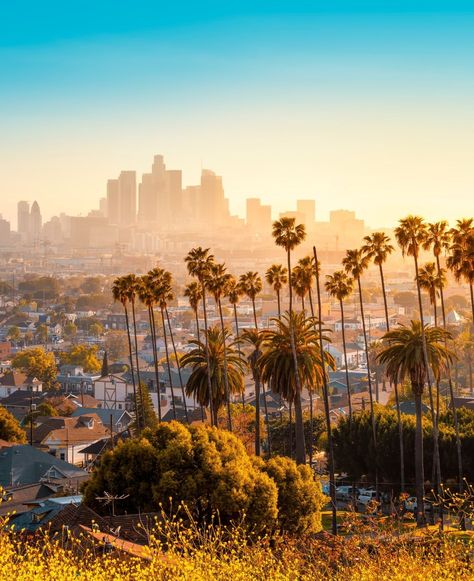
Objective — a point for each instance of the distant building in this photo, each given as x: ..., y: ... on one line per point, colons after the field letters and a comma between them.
x: 259, y: 217
x: 127, y: 187
x: 4, y: 232
x: 23, y: 220
x: 35, y: 224
x: 307, y: 208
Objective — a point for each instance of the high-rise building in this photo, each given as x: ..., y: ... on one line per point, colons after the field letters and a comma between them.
x: 307, y: 208
x: 213, y: 209
x: 113, y: 206
x: 103, y: 207
x: 23, y: 227
x: 36, y: 223
x: 127, y: 186
x: 258, y: 217
x: 4, y: 232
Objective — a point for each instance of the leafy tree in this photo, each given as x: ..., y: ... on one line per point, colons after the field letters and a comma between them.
x: 280, y: 430
x: 96, y: 329
x: 37, y: 363
x: 300, y: 497
x: 84, y: 356
x: 70, y: 330
x: 41, y: 333
x: 206, y: 468
x: 116, y: 345
x: 41, y: 287
x: 147, y: 411
x: 45, y: 409
x: 243, y: 424
x: 14, y: 334
x: 92, y: 302
x: 9, y: 428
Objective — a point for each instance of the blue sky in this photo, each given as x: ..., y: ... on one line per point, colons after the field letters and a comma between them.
x: 355, y: 104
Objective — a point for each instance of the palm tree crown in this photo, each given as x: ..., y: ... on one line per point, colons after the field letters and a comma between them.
x: 411, y: 235
x: 355, y: 262
x: 277, y: 276
x: 198, y: 262
x: 431, y: 280
x: 339, y: 285
x: 438, y: 237
x: 193, y: 293
x: 377, y: 247
x: 287, y: 233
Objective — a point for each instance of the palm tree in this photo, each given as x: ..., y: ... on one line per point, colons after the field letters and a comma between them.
x: 251, y: 285
x: 411, y: 235
x: 404, y: 355
x: 293, y: 332
x: 146, y: 295
x: 132, y: 285
x: 160, y: 281
x: 218, y: 283
x: 207, y: 359
x: 256, y: 339
x: 438, y: 237
x: 194, y: 295
x: 277, y: 276
x: 120, y: 293
x: 432, y: 280
x: 289, y: 235
x: 198, y: 262
x: 355, y: 263
x: 340, y: 286
x: 331, y: 467
x: 461, y: 259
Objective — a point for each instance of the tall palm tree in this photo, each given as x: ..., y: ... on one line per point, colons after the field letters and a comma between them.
x: 438, y: 237
x: 147, y: 297
x: 256, y: 339
x: 327, y: 412
x: 212, y: 364
x: 432, y: 281
x: 404, y: 355
x: 461, y: 259
x: 355, y: 263
x: 218, y: 283
x: 198, y: 262
x: 251, y: 285
x: 234, y: 294
x: 411, y: 235
x: 277, y: 276
x: 340, y: 286
x: 289, y: 235
x: 132, y: 284
x: 193, y: 293
x: 120, y: 293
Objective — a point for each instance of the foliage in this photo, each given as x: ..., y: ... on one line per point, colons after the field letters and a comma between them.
x: 45, y: 409
x: 84, y: 356
x: 14, y: 334
x: 70, y: 330
x: 206, y: 468
x: 243, y: 424
x: 148, y: 417
x: 280, y: 433
x: 40, y: 287
x: 10, y: 430
x: 116, y: 345
x: 36, y: 362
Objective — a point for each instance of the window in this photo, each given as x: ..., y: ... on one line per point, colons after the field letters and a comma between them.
x: 62, y: 456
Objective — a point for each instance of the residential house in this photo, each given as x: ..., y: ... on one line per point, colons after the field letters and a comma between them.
x: 65, y: 437
x: 17, y: 380
x: 73, y: 379
x: 115, y: 420
x: 21, y: 402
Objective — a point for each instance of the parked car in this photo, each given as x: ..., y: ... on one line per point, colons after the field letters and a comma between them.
x: 366, y: 496
x: 411, y: 505
x: 346, y: 493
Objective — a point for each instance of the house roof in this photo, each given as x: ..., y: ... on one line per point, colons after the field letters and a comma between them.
x: 41, y: 515
x: 17, y: 379
x: 25, y: 464
x: 118, y: 416
x: 97, y: 448
x: 69, y: 429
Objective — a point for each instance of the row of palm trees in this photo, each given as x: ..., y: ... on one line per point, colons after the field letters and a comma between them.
x: 412, y: 235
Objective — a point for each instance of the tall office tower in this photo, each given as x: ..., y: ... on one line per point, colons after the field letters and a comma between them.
x: 213, y: 209
x: 4, y: 232
x: 113, y: 206
x: 127, y: 187
x: 103, y: 207
x: 36, y: 223
x: 23, y: 227
x: 308, y: 209
x: 259, y: 217
x: 347, y: 227
x: 174, y: 190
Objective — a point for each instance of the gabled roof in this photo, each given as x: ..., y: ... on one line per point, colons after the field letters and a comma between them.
x: 24, y: 464
x: 17, y: 379
x: 118, y: 416
x: 69, y: 429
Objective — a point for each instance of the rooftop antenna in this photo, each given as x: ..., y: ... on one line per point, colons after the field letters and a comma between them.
x: 111, y: 499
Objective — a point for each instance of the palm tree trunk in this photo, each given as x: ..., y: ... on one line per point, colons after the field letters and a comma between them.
x: 369, y: 379
x: 254, y: 313
x: 155, y: 357
x: 197, y: 325
x: 279, y: 304
x: 236, y: 322
x: 299, y: 435
x: 436, y: 458
x: 209, y: 383
x: 168, y: 362
x: 267, y: 421
x: 256, y: 378
x: 299, y: 430
x: 290, y: 433
x: 139, y: 419
x: 310, y: 392
x: 349, y: 399
x: 400, y: 438
x: 419, y: 471
x: 226, y: 379
x: 451, y: 391
x: 327, y: 411
x: 178, y: 366
x: 130, y: 350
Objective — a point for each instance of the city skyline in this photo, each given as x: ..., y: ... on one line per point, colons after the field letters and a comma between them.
x: 356, y: 105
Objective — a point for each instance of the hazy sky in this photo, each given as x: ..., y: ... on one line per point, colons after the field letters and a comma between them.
x: 351, y: 104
